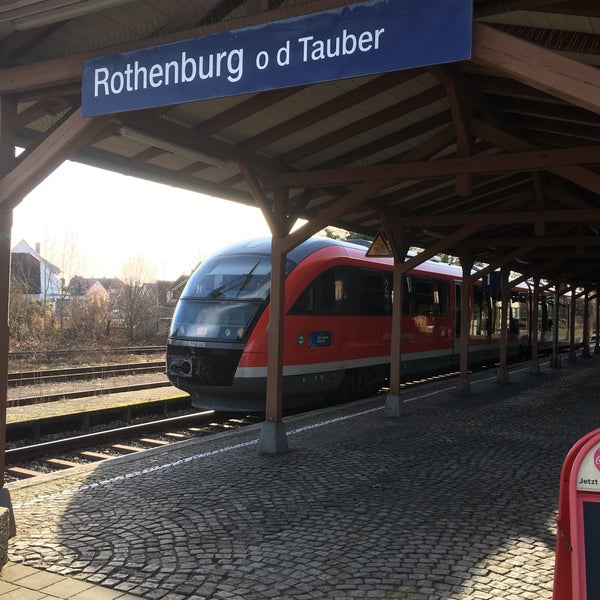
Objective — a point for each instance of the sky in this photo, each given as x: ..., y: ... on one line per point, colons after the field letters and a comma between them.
x: 90, y: 222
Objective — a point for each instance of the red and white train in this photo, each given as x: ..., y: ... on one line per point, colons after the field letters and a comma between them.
x: 337, y: 330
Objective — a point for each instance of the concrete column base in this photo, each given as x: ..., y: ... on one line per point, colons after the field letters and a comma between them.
x: 5, y: 521
x: 585, y: 352
x: 502, y: 375
x: 555, y: 362
x: 534, y: 367
x: 6, y: 502
x: 7, y: 524
x: 572, y: 356
x: 273, y: 438
x: 394, y: 407
x: 463, y: 387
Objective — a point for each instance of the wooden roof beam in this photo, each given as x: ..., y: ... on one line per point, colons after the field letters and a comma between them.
x: 537, y: 67
x: 377, y: 119
x: 367, y: 90
x: 437, y: 142
x: 499, y: 163
x: 60, y: 71
x: 507, y: 242
x: 576, y: 174
x: 329, y: 215
x: 461, y: 108
x: 74, y: 133
x: 192, y: 139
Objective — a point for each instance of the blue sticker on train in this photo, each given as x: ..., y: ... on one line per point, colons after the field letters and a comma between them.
x: 318, y: 339
x: 351, y: 41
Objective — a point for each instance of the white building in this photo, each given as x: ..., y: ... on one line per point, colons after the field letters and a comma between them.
x: 39, y: 277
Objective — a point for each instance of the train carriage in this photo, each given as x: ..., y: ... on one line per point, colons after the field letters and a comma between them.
x: 338, y: 307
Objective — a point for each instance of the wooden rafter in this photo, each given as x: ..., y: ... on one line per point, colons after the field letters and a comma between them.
x: 500, y: 163
x: 537, y: 67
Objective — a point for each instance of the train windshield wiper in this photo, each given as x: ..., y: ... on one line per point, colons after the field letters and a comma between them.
x: 233, y: 284
x: 247, y: 278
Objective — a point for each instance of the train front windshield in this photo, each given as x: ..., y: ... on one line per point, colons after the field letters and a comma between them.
x: 223, y: 297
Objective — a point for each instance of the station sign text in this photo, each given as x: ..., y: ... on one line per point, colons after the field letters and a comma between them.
x: 355, y: 40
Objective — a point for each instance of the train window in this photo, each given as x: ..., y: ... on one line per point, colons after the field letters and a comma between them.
x: 441, y: 297
x: 483, y: 320
x: 374, y: 292
x: 210, y: 319
x: 325, y: 295
x: 545, y: 315
x: 231, y: 276
x: 423, y: 296
x: 305, y: 304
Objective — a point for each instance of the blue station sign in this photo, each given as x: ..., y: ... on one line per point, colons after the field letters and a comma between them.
x: 359, y: 39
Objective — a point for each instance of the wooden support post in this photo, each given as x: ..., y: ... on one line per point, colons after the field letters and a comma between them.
x: 585, y: 350
x: 8, y: 116
x: 502, y: 375
x: 597, y: 324
x: 393, y: 402
x: 466, y: 262
x: 399, y: 241
x: 572, y: 353
x: 534, y: 360
x: 273, y: 438
x: 555, y: 360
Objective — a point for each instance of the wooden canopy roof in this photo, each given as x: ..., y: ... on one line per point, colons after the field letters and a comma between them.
x: 496, y: 157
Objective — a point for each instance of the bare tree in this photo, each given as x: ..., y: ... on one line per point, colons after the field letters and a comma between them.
x: 137, y: 302
x: 61, y: 257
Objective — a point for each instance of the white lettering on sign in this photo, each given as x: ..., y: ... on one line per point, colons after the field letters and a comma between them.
x: 135, y: 77
x: 588, y: 476
x: 344, y: 45
x: 354, y: 40
x: 228, y: 64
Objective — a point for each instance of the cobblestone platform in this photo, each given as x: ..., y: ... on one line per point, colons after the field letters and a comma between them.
x: 454, y: 500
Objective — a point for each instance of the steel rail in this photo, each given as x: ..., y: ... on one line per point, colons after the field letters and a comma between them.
x: 43, y: 449
x: 41, y: 399
x: 41, y: 376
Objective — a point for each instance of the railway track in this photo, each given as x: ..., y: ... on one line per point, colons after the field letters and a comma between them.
x: 49, y: 385
x: 34, y: 460
x: 69, y: 450
x: 48, y: 356
x: 43, y: 376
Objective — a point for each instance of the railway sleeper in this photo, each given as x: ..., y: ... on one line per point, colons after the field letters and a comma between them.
x: 95, y: 456
x: 61, y: 463
x: 177, y: 436
x: 153, y: 442
x: 22, y: 473
x: 125, y: 448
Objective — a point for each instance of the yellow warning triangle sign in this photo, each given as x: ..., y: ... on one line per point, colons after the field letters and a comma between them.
x: 379, y: 247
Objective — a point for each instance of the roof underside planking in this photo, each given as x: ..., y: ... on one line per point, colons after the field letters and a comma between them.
x: 496, y: 157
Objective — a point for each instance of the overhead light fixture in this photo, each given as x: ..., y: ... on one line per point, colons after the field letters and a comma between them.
x: 153, y: 140
x: 33, y: 15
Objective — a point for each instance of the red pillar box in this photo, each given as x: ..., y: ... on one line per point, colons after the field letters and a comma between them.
x: 577, y: 564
